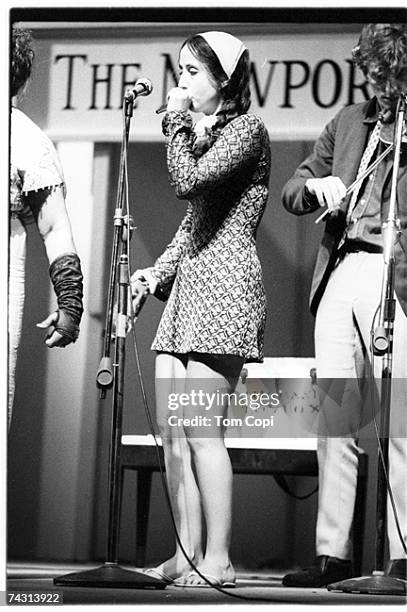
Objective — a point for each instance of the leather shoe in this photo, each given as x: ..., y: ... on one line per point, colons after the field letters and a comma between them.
x: 397, y: 568
x: 324, y: 570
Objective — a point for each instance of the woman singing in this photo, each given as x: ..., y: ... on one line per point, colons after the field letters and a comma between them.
x: 215, y: 316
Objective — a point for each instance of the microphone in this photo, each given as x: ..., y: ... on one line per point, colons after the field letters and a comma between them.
x: 142, y: 87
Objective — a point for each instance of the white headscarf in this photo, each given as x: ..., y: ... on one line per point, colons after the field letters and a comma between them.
x: 227, y: 48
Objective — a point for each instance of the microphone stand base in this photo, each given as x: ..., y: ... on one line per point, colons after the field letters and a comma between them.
x: 109, y: 575
x: 375, y: 584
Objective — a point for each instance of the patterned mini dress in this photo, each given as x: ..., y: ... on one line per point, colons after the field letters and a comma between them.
x: 210, y: 270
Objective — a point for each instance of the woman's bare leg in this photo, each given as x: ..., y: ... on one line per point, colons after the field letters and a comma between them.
x: 183, y: 490
x: 216, y: 376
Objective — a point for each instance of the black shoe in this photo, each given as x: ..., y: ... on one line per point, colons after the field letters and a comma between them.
x: 397, y: 568
x: 324, y: 571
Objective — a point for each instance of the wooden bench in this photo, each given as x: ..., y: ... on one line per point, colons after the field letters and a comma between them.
x: 284, y: 457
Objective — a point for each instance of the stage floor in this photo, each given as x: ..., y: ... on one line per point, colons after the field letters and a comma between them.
x: 251, y: 587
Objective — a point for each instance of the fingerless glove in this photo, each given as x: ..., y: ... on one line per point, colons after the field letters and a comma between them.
x: 67, y: 280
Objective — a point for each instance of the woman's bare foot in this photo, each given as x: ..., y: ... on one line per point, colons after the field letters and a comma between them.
x: 220, y: 574
x: 172, y: 568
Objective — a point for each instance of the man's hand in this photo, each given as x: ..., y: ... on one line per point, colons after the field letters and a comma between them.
x: 329, y: 191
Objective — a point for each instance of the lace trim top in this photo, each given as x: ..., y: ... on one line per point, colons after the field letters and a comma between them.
x: 34, y: 162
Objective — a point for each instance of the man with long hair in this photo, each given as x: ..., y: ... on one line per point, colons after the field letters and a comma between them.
x: 346, y: 292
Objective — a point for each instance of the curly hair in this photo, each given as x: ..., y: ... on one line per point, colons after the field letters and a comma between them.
x: 382, y: 48
x: 22, y: 58
x: 235, y: 91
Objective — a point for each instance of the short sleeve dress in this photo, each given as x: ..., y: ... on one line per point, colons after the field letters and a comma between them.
x: 34, y: 165
x: 211, y: 270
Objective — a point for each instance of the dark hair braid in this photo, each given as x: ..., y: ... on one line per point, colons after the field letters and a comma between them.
x: 236, y: 93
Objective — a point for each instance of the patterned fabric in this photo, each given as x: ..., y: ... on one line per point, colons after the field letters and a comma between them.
x: 364, y: 162
x: 211, y: 269
x: 34, y: 162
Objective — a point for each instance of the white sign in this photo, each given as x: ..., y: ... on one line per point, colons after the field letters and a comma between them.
x: 298, y: 83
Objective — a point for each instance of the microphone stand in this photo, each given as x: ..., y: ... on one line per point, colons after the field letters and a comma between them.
x: 110, y: 574
x: 378, y: 583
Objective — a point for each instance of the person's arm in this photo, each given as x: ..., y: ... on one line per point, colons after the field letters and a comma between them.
x: 312, y: 184
x: 239, y: 144
x: 49, y: 210
x: 51, y: 217
x: 160, y: 276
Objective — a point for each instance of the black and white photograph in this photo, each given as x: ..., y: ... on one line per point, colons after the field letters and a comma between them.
x: 205, y: 289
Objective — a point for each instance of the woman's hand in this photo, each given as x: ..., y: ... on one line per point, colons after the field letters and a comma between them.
x: 53, y: 338
x: 146, y: 276
x: 178, y: 99
x: 329, y: 191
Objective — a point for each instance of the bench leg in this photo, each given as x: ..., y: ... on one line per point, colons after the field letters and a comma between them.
x: 144, y: 477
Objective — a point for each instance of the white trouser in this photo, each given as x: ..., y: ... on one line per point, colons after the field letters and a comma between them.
x: 342, y: 331
x: 16, y: 301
